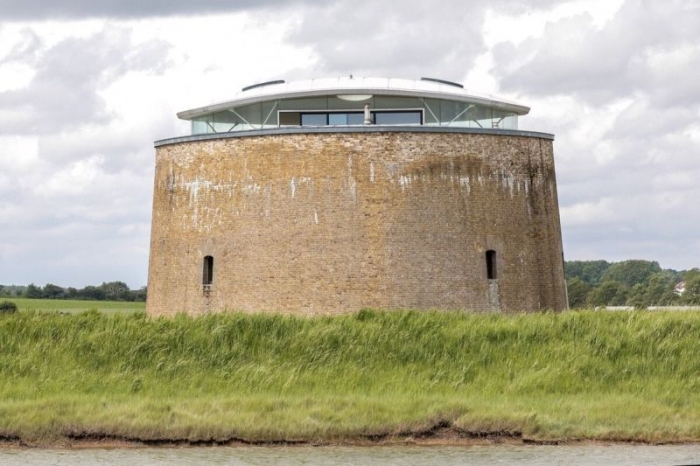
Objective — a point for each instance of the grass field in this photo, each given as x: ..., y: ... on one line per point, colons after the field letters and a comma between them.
x: 75, y: 305
x: 575, y: 375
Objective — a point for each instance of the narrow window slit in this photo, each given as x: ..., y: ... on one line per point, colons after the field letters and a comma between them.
x: 208, y: 273
x: 491, y: 272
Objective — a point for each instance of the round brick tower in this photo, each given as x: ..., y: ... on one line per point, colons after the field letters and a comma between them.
x: 328, y: 196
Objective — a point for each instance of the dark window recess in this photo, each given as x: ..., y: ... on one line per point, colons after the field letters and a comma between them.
x: 290, y: 119
x: 208, y: 273
x: 491, y: 272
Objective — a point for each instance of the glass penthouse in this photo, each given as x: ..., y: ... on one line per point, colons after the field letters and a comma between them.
x: 353, y: 101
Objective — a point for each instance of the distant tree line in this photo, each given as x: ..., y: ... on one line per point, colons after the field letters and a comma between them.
x: 636, y: 283
x: 107, y: 291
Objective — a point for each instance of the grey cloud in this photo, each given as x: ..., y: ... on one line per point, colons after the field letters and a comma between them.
x: 81, y: 207
x: 632, y: 212
x: 642, y: 203
x: 637, y: 166
x: 13, y: 10
x: 26, y: 50
x: 81, y: 225
x: 645, y: 122
x: 666, y: 72
x: 121, y: 147
x: 64, y: 91
x: 411, y: 39
x: 672, y: 251
x: 625, y: 192
x: 575, y: 57
x: 79, y: 253
x: 28, y: 10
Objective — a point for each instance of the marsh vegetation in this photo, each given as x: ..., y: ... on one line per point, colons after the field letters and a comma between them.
x: 624, y: 376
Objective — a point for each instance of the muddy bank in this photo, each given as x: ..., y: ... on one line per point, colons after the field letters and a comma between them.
x: 442, y: 433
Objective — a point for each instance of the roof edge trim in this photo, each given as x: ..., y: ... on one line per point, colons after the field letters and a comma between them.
x: 353, y: 129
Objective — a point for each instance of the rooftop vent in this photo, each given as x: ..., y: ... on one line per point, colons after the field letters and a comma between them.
x: 442, y: 81
x: 268, y: 83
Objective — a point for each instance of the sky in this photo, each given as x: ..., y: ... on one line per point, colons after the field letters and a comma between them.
x: 87, y: 86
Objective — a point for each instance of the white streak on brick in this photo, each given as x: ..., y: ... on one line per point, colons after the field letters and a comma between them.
x: 464, y: 182
x: 353, y: 188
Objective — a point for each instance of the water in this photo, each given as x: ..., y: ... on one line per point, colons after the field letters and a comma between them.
x: 404, y: 455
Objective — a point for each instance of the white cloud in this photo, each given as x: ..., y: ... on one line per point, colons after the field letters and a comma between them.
x: 502, y: 26
x: 73, y: 180
x: 614, y: 84
x: 15, y: 76
x: 589, y: 213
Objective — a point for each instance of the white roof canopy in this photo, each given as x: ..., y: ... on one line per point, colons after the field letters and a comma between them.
x: 347, y: 86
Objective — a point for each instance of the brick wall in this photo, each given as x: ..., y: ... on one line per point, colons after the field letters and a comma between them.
x: 328, y: 223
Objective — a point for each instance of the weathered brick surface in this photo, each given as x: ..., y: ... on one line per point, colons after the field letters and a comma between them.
x: 329, y: 223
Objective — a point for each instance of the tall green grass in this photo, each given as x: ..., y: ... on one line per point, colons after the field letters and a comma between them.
x: 577, y: 374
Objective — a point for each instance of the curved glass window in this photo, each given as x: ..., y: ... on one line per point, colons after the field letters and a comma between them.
x: 335, y: 111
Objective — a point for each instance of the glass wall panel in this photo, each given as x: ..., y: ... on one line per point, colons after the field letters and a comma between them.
x: 510, y: 121
x: 383, y: 102
x: 223, y: 122
x: 247, y: 117
x: 314, y: 119
x: 482, y: 117
x: 498, y: 116
x: 200, y: 126
x: 269, y: 115
x: 514, y: 119
x: 397, y: 118
x: 311, y: 103
x: 225, y: 117
x: 356, y: 118
x: 432, y: 111
x: 449, y: 110
x: 223, y: 127
x: 471, y: 115
x: 338, y: 119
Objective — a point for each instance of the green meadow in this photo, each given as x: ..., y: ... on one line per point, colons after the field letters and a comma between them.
x: 624, y: 376
x: 75, y: 305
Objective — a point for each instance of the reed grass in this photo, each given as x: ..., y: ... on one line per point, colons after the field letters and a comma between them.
x: 619, y: 376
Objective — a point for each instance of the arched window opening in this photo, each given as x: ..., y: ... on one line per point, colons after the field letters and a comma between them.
x: 491, y: 272
x: 208, y: 273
